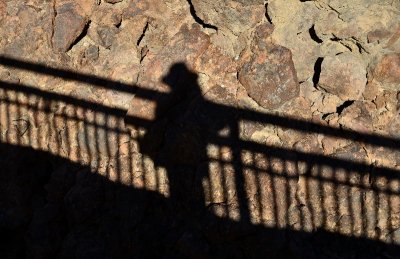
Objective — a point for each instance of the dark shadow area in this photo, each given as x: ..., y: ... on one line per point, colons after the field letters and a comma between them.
x: 198, y: 19
x: 235, y: 200
x: 317, y: 71
x: 314, y: 35
x: 118, y: 221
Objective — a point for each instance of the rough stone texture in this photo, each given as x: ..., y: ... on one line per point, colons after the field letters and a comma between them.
x: 387, y: 71
x: 269, y: 77
x: 68, y: 25
x: 234, y: 16
x: 321, y: 102
x: 233, y: 19
x: 187, y: 45
x: 357, y: 117
x: 293, y: 20
x: 232, y: 129
x: 343, y: 75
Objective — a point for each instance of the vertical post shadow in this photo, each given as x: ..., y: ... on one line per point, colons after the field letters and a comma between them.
x: 120, y: 220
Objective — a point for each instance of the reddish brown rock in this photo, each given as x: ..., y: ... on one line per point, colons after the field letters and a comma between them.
x: 106, y: 35
x: 214, y: 62
x: 269, y: 76
x: 230, y: 16
x: 135, y: 8
x: 68, y: 26
x: 87, y: 6
x: 185, y: 48
x: 233, y: 20
x: 393, y: 43
x: 103, y: 16
x: 187, y: 45
x: 358, y: 117
x: 378, y: 35
x: 387, y: 71
x: 216, y: 68
x: 255, y: 170
x: 343, y: 75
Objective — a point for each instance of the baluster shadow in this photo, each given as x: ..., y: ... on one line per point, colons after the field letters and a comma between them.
x: 78, y: 179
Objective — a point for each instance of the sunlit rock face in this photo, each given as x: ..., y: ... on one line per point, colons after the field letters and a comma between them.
x: 199, y: 129
x: 68, y: 25
x: 343, y: 76
x: 387, y: 71
x: 269, y: 75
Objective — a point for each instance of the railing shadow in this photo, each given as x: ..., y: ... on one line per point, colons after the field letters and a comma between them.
x: 190, y: 186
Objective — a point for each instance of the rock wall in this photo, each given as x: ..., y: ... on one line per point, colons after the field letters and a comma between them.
x: 199, y: 128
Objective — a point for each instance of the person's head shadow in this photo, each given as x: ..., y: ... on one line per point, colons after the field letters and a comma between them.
x: 180, y: 78
x: 183, y: 85
x: 170, y: 108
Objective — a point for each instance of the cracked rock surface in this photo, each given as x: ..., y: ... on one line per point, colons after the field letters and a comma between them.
x: 199, y: 128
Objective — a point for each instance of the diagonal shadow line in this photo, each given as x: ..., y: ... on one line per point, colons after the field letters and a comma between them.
x: 80, y: 77
x: 244, y: 145
x: 310, y: 158
x: 290, y: 123
x: 311, y: 127
x: 118, y: 112
x: 350, y: 241
x: 286, y: 154
x: 87, y: 122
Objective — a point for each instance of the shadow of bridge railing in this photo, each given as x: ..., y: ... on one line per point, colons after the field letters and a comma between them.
x: 235, y: 182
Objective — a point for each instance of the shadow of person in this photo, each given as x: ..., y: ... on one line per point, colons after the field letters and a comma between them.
x: 181, y: 139
x: 52, y: 207
x: 178, y: 138
x: 183, y: 88
x: 174, y: 140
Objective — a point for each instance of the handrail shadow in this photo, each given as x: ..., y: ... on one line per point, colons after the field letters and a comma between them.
x: 184, y: 188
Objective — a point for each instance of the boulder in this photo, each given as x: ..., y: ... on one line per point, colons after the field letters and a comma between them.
x: 69, y: 24
x: 269, y: 75
x: 343, y: 75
